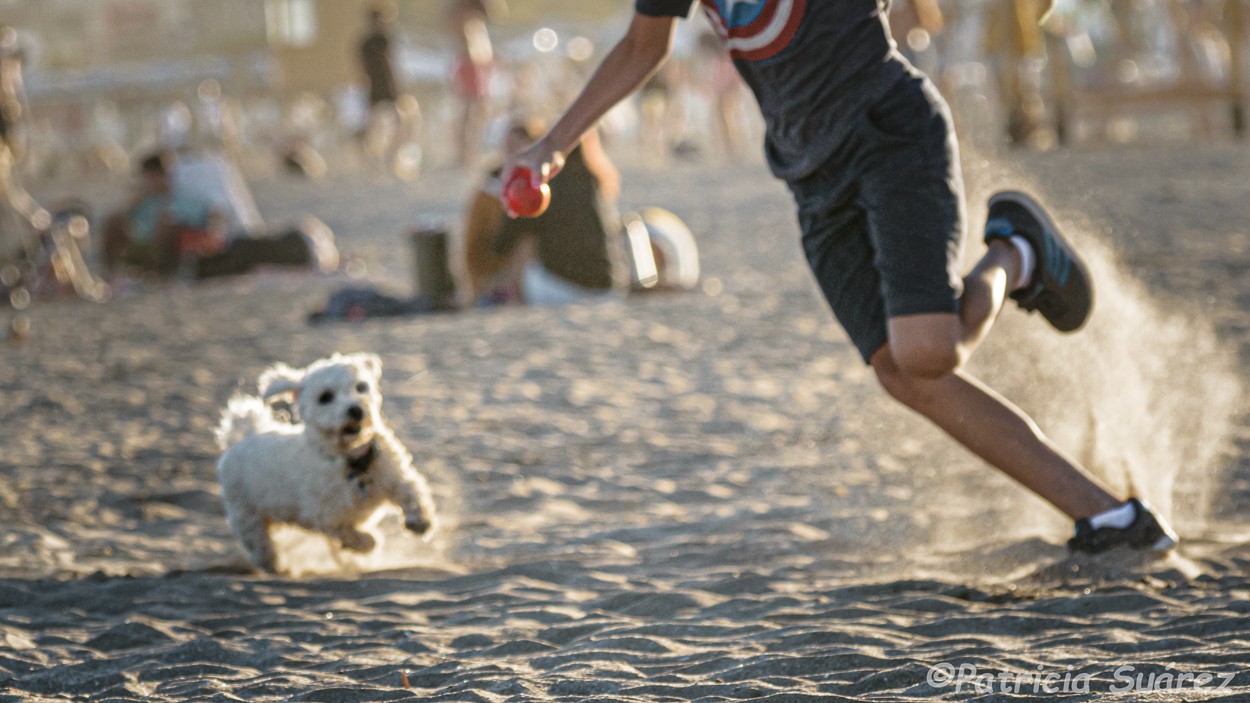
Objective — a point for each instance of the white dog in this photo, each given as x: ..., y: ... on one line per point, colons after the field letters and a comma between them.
x: 331, y: 473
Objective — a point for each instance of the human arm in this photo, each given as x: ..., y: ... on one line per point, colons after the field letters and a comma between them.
x: 635, y: 58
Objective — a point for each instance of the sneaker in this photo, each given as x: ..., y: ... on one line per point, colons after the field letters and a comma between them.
x: 1062, y: 290
x: 1147, y: 532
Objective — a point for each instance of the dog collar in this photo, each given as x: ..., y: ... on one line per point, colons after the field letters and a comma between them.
x: 359, y: 466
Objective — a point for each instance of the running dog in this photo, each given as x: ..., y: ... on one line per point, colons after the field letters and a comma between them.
x: 329, y: 472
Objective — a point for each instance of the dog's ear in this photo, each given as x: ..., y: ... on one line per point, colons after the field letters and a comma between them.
x: 280, y: 379
x: 371, y: 363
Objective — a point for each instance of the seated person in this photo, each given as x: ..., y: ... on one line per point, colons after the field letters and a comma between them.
x: 160, y: 222
x: 216, y: 178
x: 571, y: 253
x: 488, y: 278
x: 182, y: 219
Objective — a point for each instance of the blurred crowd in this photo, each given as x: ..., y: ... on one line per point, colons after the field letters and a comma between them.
x: 394, y: 119
x: 1010, y: 82
x: 988, y: 55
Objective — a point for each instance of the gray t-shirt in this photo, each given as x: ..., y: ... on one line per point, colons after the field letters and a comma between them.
x: 814, y: 65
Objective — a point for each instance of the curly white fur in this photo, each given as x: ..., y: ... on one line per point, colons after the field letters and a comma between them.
x: 330, y: 473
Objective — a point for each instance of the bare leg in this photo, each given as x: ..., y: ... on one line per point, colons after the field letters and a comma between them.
x: 998, y: 432
x: 985, y: 291
x: 920, y: 368
x: 929, y: 346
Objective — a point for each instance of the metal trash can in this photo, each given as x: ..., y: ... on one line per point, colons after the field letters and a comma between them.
x: 430, y: 245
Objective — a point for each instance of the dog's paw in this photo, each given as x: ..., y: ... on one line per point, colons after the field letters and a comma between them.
x: 420, y: 524
x: 358, y: 541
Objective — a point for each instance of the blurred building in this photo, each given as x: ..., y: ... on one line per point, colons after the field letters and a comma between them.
x: 287, y: 45
x: 77, y: 34
x: 315, y: 41
x: 136, y: 46
x: 109, y: 77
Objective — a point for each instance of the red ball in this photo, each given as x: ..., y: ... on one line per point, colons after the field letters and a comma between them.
x: 522, y: 197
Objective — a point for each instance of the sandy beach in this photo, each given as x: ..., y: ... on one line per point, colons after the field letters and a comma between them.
x: 689, y: 498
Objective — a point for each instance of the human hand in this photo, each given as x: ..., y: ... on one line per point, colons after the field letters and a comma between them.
x: 525, y: 176
x: 525, y: 194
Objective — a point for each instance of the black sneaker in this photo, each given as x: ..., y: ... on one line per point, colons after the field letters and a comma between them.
x: 1061, y: 289
x: 1147, y: 532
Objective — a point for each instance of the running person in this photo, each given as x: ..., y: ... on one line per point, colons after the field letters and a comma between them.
x: 866, y: 145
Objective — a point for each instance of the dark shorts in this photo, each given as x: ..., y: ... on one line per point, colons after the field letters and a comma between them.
x: 883, y: 219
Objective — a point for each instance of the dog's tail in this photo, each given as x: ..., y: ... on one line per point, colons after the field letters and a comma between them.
x: 244, y: 415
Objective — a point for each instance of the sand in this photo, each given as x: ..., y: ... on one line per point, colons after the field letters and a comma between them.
x: 701, y: 497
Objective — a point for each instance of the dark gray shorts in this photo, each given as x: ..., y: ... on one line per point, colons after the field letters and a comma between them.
x: 883, y: 219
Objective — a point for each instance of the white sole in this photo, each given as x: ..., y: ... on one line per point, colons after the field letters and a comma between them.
x: 1163, y: 544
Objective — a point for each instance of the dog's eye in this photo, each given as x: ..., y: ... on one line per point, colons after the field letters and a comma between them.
x: 325, y: 397
x: 362, y: 387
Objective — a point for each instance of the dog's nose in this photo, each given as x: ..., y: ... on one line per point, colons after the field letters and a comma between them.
x: 356, y: 413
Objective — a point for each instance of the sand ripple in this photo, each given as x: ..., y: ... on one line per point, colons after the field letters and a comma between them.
x: 699, y: 498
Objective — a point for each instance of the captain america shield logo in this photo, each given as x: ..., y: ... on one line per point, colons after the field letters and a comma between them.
x: 755, y: 29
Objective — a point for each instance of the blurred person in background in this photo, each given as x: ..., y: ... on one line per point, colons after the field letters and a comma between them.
x: 472, y: 69
x: 663, y: 113
x: 392, y: 115
x: 571, y: 253
x: 178, y: 226
x: 106, y: 134
x: 725, y: 95
x: 157, y: 227
x: 917, y: 27
x: 375, y: 58
x: 13, y: 106
x: 219, y: 119
x: 914, y: 24
x: 1016, y: 43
